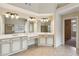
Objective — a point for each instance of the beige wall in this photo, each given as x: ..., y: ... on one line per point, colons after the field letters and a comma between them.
x: 57, y: 35
x: 2, y: 25
x: 71, y: 15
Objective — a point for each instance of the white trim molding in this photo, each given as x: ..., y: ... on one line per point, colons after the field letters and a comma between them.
x: 66, y: 18
x: 67, y: 8
x: 23, y: 12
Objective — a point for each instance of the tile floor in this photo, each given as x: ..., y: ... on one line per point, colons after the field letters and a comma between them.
x: 49, y: 51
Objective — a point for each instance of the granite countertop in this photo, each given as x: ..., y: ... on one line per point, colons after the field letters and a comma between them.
x: 4, y: 36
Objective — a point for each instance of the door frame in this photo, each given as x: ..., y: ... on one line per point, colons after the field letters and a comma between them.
x: 64, y: 28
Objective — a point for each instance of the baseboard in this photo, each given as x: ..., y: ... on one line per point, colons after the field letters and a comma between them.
x: 77, y: 50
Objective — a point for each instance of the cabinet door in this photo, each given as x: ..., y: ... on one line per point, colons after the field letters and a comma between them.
x: 31, y: 41
x: 5, y: 49
x: 42, y: 41
x: 24, y: 42
x: 16, y: 44
x: 49, y: 41
x: 5, y: 46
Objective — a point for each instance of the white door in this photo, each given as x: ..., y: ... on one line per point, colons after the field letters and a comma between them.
x: 16, y: 44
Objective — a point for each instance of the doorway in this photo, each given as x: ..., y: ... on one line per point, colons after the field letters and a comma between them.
x: 70, y: 32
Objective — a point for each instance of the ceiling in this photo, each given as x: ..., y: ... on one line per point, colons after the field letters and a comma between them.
x: 61, y: 4
x: 39, y: 7
x: 74, y: 10
x: 32, y: 7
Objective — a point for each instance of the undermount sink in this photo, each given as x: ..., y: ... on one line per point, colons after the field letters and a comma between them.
x: 14, y: 35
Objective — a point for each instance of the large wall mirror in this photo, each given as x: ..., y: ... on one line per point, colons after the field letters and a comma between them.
x: 13, y: 25
x: 31, y: 27
x: 45, y: 27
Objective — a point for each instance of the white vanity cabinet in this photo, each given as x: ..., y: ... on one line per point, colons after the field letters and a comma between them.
x: 24, y: 43
x: 45, y: 40
x: 16, y: 44
x: 5, y: 47
x: 13, y: 45
x: 42, y: 41
x: 31, y: 41
x: 50, y: 41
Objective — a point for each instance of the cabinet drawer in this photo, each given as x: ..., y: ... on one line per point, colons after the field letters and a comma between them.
x: 15, y: 39
x: 31, y: 41
x: 5, y: 41
x: 24, y: 38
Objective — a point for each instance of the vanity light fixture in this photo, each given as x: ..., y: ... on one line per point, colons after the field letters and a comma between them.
x: 12, y: 15
x: 32, y: 19
x: 28, y: 4
x: 44, y: 20
x: 7, y: 15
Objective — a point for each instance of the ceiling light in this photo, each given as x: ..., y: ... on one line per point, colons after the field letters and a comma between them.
x: 44, y: 20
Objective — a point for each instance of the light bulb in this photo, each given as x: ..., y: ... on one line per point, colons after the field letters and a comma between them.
x: 7, y: 15
x: 12, y: 16
x: 46, y: 20
x: 42, y: 20
x: 33, y: 19
x: 29, y: 19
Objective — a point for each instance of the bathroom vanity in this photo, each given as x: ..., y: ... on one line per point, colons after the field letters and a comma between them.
x: 14, y: 43
x: 10, y: 44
